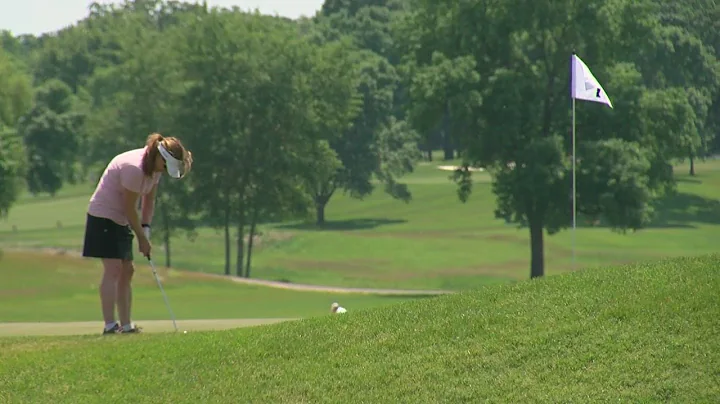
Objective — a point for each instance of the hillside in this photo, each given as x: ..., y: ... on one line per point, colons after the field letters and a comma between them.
x: 434, y: 242
x: 643, y: 333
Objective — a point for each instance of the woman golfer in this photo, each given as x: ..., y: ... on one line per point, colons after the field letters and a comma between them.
x: 112, y: 218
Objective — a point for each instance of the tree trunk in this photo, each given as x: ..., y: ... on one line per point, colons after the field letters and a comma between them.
x: 253, y: 227
x: 227, y: 240
x: 240, y: 248
x: 537, y: 249
x: 241, y: 215
x: 430, y: 154
x: 448, y: 150
x: 320, y: 213
x: 321, y: 200
x: 692, y: 165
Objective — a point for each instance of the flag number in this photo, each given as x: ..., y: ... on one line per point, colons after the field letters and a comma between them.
x: 597, y: 94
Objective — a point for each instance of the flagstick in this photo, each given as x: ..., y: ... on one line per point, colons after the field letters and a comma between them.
x: 573, y: 184
x: 589, y: 89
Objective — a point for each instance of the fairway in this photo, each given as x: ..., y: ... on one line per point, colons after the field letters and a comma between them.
x: 91, y: 327
x: 433, y: 242
x: 40, y: 288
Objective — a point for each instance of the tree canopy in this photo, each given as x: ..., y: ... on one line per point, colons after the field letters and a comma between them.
x: 281, y: 115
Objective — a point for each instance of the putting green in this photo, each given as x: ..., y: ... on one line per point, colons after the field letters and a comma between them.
x: 94, y: 327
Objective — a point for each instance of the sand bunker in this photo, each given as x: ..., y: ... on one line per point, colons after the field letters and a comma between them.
x: 453, y: 168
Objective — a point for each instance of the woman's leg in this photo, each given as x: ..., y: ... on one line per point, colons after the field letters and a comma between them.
x: 113, y: 268
x: 124, y: 292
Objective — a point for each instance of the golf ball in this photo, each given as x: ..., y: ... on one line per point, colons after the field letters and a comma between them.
x: 184, y: 332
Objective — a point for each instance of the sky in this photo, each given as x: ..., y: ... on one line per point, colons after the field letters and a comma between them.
x: 41, y: 16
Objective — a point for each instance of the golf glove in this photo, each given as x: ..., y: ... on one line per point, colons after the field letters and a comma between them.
x: 146, y: 229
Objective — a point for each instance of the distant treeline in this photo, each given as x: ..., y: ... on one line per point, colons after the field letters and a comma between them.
x: 281, y: 114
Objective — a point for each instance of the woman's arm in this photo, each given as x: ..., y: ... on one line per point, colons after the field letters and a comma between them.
x: 130, y: 204
x: 148, y: 205
x: 131, y: 179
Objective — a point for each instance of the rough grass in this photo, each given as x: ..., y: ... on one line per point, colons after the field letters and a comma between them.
x: 434, y: 242
x: 645, y: 333
x: 50, y: 288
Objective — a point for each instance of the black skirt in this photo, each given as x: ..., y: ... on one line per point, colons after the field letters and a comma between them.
x: 106, y: 239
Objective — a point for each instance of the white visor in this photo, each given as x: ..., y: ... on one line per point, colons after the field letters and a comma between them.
x: 174, y: 166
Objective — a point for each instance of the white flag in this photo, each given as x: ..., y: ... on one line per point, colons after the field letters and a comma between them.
x: 584, y: 85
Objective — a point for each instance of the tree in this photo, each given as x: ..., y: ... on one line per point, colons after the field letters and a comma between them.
x: 373, y: 142
x: 520, y: 131
x: 283, y: 192
x: 223, y: 70
x: 67, y: 56
x: 172, y: 215
x: 368, y: 23
x: 324, y: 164
x: 12, y: 168
x: 50, y: 133
x: 442, y: 95
x: 22, y: 47
x: 690, y: 44
x: 397, y: 150
x: 680, y: 60
x: 353, y: 7
x: 267, y: 96
x: 15, y: 100
x: 15, y: 90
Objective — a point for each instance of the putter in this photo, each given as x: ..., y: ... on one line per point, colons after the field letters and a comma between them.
x: 167, y: 303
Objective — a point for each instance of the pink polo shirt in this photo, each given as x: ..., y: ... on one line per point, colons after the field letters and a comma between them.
x: 124, y: 172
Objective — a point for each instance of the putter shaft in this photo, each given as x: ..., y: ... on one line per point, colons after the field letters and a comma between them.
x: 167, y: 303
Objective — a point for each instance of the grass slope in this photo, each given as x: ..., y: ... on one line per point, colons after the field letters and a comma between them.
x: 646, y: 333
x: 434, y: 242
x: 50, y: 288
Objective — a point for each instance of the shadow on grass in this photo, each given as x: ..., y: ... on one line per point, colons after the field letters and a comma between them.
x: 342, y: 225
x: 681, y: 209
x: 688, y: 180
x: 678, y: 211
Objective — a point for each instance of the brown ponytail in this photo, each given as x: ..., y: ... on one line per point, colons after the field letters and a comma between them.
x: 187, y: 160
x: 172, y: 145
x: 148, y: 161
